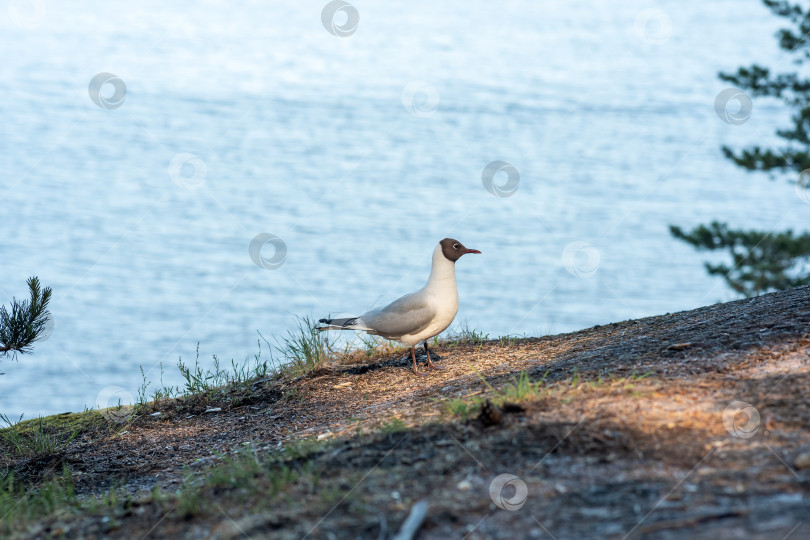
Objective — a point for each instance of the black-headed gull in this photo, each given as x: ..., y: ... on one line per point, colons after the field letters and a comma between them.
x: 420, y: 315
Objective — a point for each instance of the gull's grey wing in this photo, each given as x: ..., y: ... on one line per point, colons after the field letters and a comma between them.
x: 407, y: 315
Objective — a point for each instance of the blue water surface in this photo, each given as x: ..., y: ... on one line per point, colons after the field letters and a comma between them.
x: 359, y: 153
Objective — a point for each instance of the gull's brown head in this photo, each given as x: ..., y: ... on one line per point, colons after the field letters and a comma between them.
x: 452, y: 249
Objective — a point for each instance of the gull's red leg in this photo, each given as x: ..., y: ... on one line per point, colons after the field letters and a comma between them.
x: 430, y: 365
x: 413, y: 355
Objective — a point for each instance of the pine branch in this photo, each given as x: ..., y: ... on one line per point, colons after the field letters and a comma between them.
x: 756, y: 159
x: 24, y: 324
x: 791, y: 41
x: 762, y: 261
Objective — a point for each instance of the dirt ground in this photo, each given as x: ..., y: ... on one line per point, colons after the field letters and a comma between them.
x: 685, y: 425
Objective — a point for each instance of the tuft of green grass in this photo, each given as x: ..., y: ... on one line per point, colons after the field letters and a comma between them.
x: 189, y: 501
x: 162, y: 392
x: 641, y: 377
x: 302, y: 350
x: 468, y: 336
x: 249, y: 474
x: 142, y: 390
x: 392, y: 426
x: 520, y: 389
x: 241, y: 478
x: 627, y: 383
x: 202, y: 381
x: 20, y: 505
x: 305, y: 349
x: 375, y: 346
x: 630, y: 382
x: 302, y: 448
x: 248, y: 477
x: 462, y: 407
x: 145, y: 403
x: 216, y: 381
x: 43, y: 435
x: 244, y: 374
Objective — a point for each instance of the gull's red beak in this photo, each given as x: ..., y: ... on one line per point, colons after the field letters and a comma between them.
x: 472, y: 251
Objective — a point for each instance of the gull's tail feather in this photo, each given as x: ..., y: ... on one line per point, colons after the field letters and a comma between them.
x: 349, y: 323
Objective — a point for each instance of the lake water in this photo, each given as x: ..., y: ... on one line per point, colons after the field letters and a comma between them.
x: 359, y: 153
